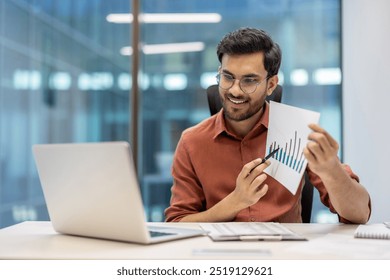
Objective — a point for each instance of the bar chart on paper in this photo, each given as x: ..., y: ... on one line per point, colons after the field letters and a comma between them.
x: 288, y: 130
x: 290, y: 154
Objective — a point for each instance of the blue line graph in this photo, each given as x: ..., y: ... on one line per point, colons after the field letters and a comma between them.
x: 291, y: 154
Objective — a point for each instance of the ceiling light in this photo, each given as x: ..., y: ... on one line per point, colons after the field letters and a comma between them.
x: 167, y: 18
x: 327, y: 76
x: 120, y: 18
x: 166, y: 48
x: 173, y: 48
x: 299, y: 77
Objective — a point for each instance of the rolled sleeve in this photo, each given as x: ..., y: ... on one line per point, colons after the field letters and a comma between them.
x: 324, y: 195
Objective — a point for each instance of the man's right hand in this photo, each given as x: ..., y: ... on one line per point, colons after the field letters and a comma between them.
x: 250, y: 185
x: 249, y: 189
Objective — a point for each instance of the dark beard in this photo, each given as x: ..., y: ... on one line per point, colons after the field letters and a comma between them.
x: 243, y: 116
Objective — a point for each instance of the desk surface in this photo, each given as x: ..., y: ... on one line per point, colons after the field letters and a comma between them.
x: 38, y: 240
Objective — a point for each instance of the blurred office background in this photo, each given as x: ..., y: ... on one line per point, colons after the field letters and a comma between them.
x: 66, y: 76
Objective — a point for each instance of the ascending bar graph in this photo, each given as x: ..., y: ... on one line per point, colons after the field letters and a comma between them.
x: 290, y: 154
x: 288, y: 130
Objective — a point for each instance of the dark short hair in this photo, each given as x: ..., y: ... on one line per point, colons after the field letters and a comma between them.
x: 250, y: 40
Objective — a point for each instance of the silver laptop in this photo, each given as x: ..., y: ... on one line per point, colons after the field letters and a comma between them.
x: 91, y: 189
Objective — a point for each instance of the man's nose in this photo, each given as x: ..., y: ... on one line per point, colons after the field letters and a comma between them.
x: 236, y: 88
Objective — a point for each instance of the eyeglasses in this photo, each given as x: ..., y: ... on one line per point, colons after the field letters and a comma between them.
x: 247, y: 84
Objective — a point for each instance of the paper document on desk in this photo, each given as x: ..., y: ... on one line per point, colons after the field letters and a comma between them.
x: 262, y: 231
x: 288, y: 130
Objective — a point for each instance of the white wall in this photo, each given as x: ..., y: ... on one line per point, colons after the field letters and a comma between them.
x: 366, y: 97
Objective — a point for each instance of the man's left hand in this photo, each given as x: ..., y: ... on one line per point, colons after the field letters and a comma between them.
x: 321, y: 151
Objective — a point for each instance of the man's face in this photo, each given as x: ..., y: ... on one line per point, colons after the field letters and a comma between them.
x: 238, y: 105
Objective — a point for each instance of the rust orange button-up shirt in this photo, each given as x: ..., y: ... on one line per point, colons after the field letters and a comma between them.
x: 207, y: 162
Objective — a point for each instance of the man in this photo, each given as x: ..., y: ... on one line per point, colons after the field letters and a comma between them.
x: 216, y: 171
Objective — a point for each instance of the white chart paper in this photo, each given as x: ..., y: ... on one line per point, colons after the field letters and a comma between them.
x: 288, y: 130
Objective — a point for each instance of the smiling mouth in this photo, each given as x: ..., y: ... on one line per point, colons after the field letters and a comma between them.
x: 236, y: 101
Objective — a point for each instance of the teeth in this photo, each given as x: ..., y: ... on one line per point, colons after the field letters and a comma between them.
x: 235, y: 101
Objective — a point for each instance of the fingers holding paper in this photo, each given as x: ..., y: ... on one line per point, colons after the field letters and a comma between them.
x: 321, y: 150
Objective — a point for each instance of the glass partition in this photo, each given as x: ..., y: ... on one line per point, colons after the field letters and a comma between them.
x: 175, y: 82
x: 63, y: 79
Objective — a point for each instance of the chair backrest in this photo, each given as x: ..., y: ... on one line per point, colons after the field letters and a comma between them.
x: 215, y: 106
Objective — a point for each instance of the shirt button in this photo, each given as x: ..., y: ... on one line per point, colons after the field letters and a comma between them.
x: 252, y: 219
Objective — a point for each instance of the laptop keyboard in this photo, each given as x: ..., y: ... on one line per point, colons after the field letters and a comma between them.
x: 159, y: 233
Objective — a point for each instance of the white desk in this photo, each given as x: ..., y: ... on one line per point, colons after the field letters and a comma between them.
x: 38, y: 240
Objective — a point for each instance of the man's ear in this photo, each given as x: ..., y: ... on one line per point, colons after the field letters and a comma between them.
x: 272, y: 83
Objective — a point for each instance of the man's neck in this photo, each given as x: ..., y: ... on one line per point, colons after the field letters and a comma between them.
x: 242, y: 128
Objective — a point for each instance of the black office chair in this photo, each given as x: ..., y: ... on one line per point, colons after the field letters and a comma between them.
x: 215, y: 106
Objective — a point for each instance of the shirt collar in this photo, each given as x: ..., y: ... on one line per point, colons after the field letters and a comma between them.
x: 220, y: 124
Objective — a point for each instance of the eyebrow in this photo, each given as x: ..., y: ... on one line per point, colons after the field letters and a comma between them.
x: 250, y: 75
